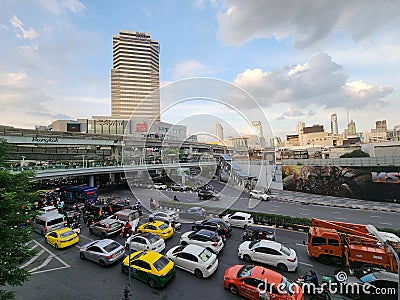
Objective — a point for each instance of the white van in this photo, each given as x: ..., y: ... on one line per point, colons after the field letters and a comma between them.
x: 48, y: 222
x: 126, y: 215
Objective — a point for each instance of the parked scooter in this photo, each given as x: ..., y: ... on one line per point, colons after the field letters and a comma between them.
x: 310, y: 286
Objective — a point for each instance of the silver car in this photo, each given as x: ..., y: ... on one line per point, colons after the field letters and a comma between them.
x: 106, y: 228
x: 168, y: 216
x: 104, y: 252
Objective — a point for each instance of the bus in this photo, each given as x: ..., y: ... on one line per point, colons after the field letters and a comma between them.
x: 78, y: 196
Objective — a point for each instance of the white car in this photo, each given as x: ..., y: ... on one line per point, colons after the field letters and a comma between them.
x: 126, y: 215
x: 195, y: 259
x: 145, y: 241
x: 239, y: 219
x: 169, y: 216
x: 205, y: 238
x: 261, y: 195
x: 270, y: 253
x: 160, y: 186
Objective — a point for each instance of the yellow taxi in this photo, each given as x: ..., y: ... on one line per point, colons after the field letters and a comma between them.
x: 160, y: 228
x: 62, y: 238
x: 150, y: 267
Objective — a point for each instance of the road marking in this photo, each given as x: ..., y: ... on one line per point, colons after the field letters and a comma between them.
x: 276, y: 205
x: 45, y: 263
x: 303, y: 208
x: 56, y: 257
x: 273, y: 210
x: 300, y: 245
x: 88, y: 238
x: 32, y: 259
x: 306, y: 264
x: 49, y: 270
x: 376, y: 217
x: 304, y: 214
x: 335, y: 212
x: 341, y: 219
x: 385, y: 223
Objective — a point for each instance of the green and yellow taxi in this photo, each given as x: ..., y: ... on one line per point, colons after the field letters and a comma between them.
x: 62, y: 238
x: 150, y: 267
x: 160, y: 228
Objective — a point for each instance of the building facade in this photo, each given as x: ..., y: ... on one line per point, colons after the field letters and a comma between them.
x: 334, y: 124
x: 219, y: 131
x: 135, y: 79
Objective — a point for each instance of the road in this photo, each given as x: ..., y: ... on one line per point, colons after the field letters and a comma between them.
x: 240, y: 201
x: 62, y: 274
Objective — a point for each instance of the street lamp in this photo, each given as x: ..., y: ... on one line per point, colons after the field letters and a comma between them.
x: 23, y: 161
x: 372, y: 230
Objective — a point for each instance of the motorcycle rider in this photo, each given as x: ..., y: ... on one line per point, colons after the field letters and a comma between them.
x: 126, y: 230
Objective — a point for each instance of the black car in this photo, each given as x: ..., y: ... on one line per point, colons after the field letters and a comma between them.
x: 368, y: 283
x: 219, y: 226
x: 205, y: 194
x: 193, y: 213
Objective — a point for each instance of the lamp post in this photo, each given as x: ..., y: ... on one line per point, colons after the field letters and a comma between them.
x: 372, y: 230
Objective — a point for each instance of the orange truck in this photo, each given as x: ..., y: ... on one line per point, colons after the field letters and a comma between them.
x: 352, y: 244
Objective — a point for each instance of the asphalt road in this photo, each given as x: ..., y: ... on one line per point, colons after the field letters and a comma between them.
x: 240, y: 201
x: 62, y: 274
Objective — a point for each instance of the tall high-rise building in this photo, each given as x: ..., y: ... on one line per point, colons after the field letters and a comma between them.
x: 351, y: 127
x: 135, y: 76
x: 220, y: 132
x: 299, y: 127
x: 334, y: 124
x: 257, y: 126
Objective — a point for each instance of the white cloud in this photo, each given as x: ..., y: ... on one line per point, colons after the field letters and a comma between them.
x: 58, y: 6
x: 29, y: 34
x: 321, y: 83
x: 191, y: 68
x: 306, y: 22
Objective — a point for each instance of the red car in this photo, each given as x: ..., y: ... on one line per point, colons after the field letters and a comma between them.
x: 256, y: 282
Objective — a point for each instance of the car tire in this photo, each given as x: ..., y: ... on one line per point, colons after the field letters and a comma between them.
x: 233, y: 289
x: 102, y: 263
x: 282, y: 267
x: 56, y: 245
x: 247, y: 258
x: 82, y: 255
x: 198, y: 273
x: 151, y: 219
x: 152, y: 283
x: 183, y: 243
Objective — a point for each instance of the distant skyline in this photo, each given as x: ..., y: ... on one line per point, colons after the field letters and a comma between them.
x: 301, y: 60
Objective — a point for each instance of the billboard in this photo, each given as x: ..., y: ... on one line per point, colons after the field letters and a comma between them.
x: 368, y: 183
x: 141, y: 127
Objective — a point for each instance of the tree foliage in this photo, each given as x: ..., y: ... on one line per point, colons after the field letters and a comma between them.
x: 355, y: 153
x: 15, y: 233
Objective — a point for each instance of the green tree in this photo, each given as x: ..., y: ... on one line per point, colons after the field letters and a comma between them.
x: 355, y: 153
x: 15, y: 209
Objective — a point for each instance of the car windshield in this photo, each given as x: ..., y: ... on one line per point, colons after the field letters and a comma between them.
x: 368, y: 277
x: 286, y: 286
x: 111, y: 247
x: 114, y: 225
x: 205, y: 255
x: 161, y: 263
x: 153, y: 238
x: 254, y: 244
x: 66, y: 234
x: 285, y: 250
x: 163, y: 226
x: 245, y: 271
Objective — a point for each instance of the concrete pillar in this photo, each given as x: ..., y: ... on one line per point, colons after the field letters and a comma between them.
x: 91, y: 180
x: 112, y: 177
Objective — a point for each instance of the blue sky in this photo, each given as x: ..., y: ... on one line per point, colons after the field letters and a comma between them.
x: 301, y: 60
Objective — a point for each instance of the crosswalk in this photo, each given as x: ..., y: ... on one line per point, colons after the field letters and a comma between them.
x: 43, y: 261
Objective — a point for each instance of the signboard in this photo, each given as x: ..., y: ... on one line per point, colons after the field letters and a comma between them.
x: 141, y: 127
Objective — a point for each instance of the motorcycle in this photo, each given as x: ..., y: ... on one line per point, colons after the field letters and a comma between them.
x: 137, y: 206
x: 316, y: 291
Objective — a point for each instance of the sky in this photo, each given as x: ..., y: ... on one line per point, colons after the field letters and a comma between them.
x: 295, y: 60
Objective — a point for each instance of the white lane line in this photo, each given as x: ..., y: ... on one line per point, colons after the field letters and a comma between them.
x: 49, y: 270
x: 303, y: 208
x: 276, y: 205
x: 304, y: 214
x: 88, y: 238
x: 273, y: 210
x: 45, y: 263
x: 34, y: 246
x: 335, y: 212
x: 300, y: 245
x: 379, y: 217
x: 32, y: 259
x: 306, y: 264
x: 341, y: 219
x: 55, y: 256
x: 385, y: 223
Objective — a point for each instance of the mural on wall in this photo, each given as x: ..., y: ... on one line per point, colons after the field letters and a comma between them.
x: 369, y: 183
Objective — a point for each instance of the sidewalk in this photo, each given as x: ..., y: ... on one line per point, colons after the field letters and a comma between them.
x: 305, y: 198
